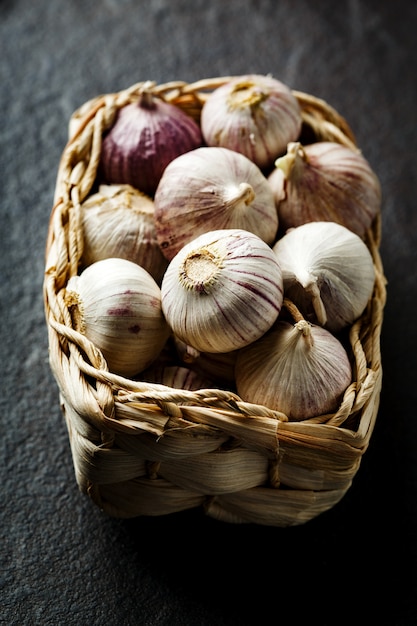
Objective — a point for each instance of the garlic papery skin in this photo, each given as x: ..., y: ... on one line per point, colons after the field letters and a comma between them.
x: 144, y: 138
x: 217, y: 366
x: 177, y: 377
x: 325, y: 181
x: 116, y: 304
x: 222, y: 290
x: 118, y: 221
x: 299, y: 369
x: 253, y: 114
x: 328, y: 272
x: 212, y: 189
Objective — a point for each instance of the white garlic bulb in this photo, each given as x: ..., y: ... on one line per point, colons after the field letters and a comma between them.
x: 118, y: 221
x: 253, y: 114
x: 212, y: 189
x: 325, y: 181
x: 299, y: 369
x: 116, y: 304
x: 222, y: 290
x: 328, y: 272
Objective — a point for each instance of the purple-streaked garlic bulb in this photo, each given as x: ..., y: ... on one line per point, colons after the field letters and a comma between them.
x: 328, y: 273
x: 222, y: 290
x: 118, y: 221
x: 212, y: 189
x: 144, y: 138
x: 253, y: 114
x: 299, y: 369
x: 116, y: 304
x: 325, y: 181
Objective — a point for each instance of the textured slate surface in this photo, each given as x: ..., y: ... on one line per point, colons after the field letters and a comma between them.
x: 62, y: 561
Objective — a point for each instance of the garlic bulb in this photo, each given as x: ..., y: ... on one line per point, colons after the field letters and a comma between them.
x: 217, y: 366
x: 299, y: 369
x: 145, y: 137
x: 118, y: 221
x: 252, y: 114
x: 212, y: 189
x: 176, y: 377
x: 325, y: 181
x: 328, y: 272
x: 116, y: 304
x: 222, y: 290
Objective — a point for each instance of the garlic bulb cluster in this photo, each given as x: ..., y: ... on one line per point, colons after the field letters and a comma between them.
x: 145, y: 137
x: 198, y: 234
x: 328, y: 272
x: 212, y: 189
x: 116, y: 304
x: 325, y: 181
x: 222, y: 290
x: 118, y: 221
x: 254, y: 114
x: 299, y: 369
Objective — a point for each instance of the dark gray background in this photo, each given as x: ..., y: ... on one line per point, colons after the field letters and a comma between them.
x: 64, y: 562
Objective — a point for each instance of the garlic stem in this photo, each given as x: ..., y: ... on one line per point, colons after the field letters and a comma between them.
x: 287, y: 161
x: 292, y: 309
x: 313, y: 289
x: 146, y: 97
x: 76, y: 308
x: 146, y: 100
x: 300, y: 323
x: 246, y: 93
x: 309, y: 284
x: 244, y: 193
x: 305, y: 331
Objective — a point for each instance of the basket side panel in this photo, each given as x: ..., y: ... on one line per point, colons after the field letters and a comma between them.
x: 269, y: 507
x: 144, y: 496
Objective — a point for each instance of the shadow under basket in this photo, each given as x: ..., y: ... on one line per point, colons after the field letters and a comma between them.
x: 141, y: 449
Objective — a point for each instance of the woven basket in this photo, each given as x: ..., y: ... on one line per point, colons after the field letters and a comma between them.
x: 145, y: 449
